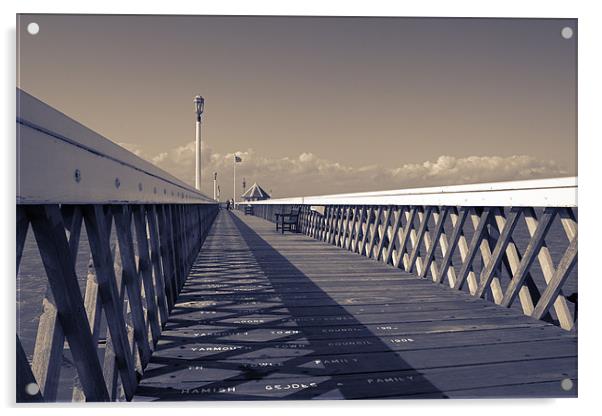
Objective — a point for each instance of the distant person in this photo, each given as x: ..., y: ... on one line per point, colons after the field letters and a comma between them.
x: 228, y: 205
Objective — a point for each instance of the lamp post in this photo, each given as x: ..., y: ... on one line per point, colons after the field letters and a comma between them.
x: 236, y: 160
x: 215, y: 186
x: 199, y: 106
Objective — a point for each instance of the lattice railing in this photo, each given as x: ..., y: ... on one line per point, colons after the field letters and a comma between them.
x: 135, y: 279
x: 518, y: 256
x: 139, y: 229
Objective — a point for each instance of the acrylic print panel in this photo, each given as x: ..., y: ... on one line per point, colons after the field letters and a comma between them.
x: 294, y: 208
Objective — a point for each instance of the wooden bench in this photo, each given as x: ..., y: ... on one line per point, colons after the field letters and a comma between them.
x: 287, y: 221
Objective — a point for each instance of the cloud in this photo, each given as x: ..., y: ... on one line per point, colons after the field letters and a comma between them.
x: 309, y: 174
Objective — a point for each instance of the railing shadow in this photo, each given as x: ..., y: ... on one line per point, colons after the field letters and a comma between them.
x: 263, y: 341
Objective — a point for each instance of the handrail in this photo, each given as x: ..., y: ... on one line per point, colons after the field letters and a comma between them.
x: 61, y: 161
x: 552, y: 192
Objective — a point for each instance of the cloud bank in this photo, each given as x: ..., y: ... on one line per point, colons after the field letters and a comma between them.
x: 309, y: 174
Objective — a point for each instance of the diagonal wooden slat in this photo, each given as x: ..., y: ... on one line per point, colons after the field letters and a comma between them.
x: 145, y: 270
x: 498, y: 252
x: 365, y: 229
x: 166, y: 257
x: 453, y: 243
x: 404, y: 236
x: 529, y: 293
x: 326, y: 222
x: 49, y: 231
x: 344, y: 227
x: 569, y: 222
x: 351, y: 228
x: 340, y: 225
x: 430, y: 255
x: 547, y: 267
x: 311, y: 218
x: 536, y: 242
x: 96, y: 227
x: 110, y: 370
x: 333, y: 224
x: 50, y: 339
x: 566, y: 264
x: 393, y: 235
x: 422, y: 229
x: 373, y: 232
x: 329, y: 222
x: 358, y: 219
x: 123, y: 226
x: 320, y: 224
x: 93, y: 307
x: 174, y: 249
x: 155, y: 256
x: 385, y: 227
x: 472, y: 250
x: 444, y: 248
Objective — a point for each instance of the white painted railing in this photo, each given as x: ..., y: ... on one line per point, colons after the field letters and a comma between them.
x: 555, y: 192
x: 470, y: 237
x: 61, y: 161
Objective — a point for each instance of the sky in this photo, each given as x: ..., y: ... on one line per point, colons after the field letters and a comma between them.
x: 317, y: 105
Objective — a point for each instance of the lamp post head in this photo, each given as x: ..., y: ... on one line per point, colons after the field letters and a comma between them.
x: 215, y: 175
x: 199, y: 106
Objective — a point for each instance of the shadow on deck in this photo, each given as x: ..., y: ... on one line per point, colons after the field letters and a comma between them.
x: 270, y: 316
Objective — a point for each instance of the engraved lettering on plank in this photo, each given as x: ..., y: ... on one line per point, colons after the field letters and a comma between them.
x: 332, y: 361
x: 390, y: 379
x: 348, y: 343
x: 208, y: 390
x: 262, y: 364
x: 249, y: 321
x: 218, y: 348
x: 285, y: 332
x: 293, y: 386
x: 350, y: 329
x: 401, y: 340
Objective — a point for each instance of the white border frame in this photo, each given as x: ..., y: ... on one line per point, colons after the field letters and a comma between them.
x: 590, y: 149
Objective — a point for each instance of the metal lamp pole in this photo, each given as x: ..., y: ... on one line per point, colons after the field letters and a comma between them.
x: 215, y: 186
x: 199, y: 105
x: 234, y: 196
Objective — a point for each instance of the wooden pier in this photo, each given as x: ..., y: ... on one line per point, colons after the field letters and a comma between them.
x: 270, y: 316
x: 457, y: 291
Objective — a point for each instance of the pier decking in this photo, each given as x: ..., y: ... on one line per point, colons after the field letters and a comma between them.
x: 269, y: 316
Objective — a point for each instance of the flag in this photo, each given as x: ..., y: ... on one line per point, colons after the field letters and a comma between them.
x: 237, y: 159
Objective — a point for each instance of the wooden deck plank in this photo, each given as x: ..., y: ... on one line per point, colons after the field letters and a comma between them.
x: 270, y: 316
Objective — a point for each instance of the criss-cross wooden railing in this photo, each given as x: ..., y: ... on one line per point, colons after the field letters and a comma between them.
x: 141, y: 229
x: 501, y: 241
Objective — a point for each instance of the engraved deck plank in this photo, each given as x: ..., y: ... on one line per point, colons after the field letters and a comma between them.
x: 269, y: 316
